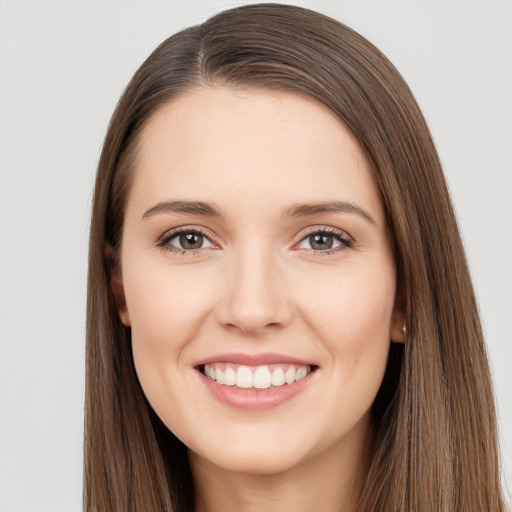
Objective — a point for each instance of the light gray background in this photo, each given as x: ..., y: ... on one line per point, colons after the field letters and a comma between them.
x: 63, y: 65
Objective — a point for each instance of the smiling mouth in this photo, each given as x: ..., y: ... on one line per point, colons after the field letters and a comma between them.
x: 256, y: 377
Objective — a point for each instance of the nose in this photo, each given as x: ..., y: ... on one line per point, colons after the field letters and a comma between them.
x: 254, y: 298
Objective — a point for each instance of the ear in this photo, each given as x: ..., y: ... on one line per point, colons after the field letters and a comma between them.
x: 116, y: 284
x: 397, y: 332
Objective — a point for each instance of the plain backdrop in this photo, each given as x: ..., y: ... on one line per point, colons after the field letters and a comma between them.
x: 63, y: 66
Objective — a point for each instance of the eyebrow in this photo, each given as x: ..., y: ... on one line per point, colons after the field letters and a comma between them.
x: 298, y: 210
x: 190, y: 207
x: 307, y: 209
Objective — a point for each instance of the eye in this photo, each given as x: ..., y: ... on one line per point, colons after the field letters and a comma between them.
x: 184, y: 240
x: 327, y: 241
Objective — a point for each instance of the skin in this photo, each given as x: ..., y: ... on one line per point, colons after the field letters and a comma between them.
x: 258, y: 285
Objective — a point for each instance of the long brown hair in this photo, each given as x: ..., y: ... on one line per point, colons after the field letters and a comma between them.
x: 435, y: 442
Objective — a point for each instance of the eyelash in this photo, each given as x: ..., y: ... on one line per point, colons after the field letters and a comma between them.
x: 345, y: 241
x: 164, y: 241
x: 342, y: 237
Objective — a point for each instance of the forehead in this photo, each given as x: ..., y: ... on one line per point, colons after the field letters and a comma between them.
x: 219, y: 144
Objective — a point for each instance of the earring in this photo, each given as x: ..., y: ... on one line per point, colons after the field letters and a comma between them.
x: 404, y: 330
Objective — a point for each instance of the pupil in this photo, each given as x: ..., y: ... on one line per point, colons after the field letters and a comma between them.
x: 319, y: 241
x: 191, y: 241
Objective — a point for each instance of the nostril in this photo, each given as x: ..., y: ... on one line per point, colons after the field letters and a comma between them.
x: 250, y: 326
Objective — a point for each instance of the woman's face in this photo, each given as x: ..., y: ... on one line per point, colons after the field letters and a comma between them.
x: 255, y: 249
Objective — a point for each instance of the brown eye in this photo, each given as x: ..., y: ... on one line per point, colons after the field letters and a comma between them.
x: 321, y: 241
x: 191, y: 240
x: 324, y: 241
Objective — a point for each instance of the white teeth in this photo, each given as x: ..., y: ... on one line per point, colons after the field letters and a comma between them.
x: 261, y: 377
x: 244, y: 377
x: 219, y: 376
x: 278, y: 377
x: 290, y: 375
x: 301, y: 373
x: 229, y: 377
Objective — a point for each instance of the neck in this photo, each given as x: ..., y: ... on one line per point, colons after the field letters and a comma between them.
x: 330, y: 482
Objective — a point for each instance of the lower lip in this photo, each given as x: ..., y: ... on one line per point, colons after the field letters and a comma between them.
x: 255, y: 399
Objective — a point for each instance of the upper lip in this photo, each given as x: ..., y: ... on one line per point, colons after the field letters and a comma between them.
x: 253, y: 359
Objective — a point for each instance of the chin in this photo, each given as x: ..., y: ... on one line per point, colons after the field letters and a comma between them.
x: 261, y: 461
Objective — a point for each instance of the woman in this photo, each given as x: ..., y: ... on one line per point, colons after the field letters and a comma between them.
x: 280, y: 313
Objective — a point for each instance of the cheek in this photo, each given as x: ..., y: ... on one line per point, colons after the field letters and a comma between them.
x: 158, y: 291
x: 355, y: 303
x: 166, y: 311
x: 351, y: 318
